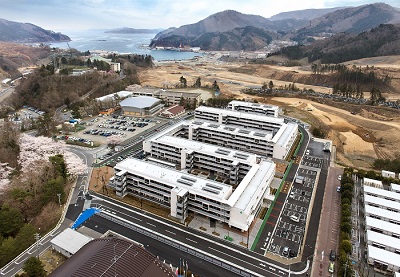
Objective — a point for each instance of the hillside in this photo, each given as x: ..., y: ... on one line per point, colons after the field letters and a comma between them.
x: 27, y: 33
x: 383, y: 40
x: 307, y: 14
x: 14, y: 56
x: 350, y: 20
x: 215, y: 29
x: 248, y: 38
x: 302, y: 26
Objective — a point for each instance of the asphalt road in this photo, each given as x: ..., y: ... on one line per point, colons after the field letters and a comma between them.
x: 236, y: 255
x: 164, y: 252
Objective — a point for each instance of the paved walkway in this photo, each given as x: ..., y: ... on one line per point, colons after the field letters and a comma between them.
x: 202, y: 224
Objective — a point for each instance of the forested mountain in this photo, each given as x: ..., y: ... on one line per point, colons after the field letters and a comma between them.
x: 25, y: 32
x: 380, y: 41
x: 248, y: 38
x: 307, y: 14
x: 351, y: 20
x: 227, y: 24
x: 301, y: 26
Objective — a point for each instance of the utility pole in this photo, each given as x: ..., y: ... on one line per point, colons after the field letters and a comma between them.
x: 37, y: 238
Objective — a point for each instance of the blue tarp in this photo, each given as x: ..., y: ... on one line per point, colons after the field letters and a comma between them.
x: 84, y: 216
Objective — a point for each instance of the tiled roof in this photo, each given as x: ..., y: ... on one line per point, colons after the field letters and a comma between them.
x: 109, y: 256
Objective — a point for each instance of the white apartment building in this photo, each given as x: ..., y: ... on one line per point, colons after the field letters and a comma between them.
x: 382, y: 224
x: 254, y: 108
x: 245, y: 120
x: 388, y: 174
x: 227, y: 164
x: 183, y: 192
x: 372, y: 183
x: 169, y: 97
x: 264, y: 143
x: 395, y: 187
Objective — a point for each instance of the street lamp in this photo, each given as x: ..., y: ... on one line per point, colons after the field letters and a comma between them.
x: 59, y: 199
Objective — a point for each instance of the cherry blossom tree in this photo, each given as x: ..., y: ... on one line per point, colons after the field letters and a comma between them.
x: 114, y: 140
x: 35, y: 150
x: 5, y: 171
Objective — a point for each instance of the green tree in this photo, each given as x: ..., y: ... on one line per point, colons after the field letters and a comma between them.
x: 10, y: 221
x: 345, y: 227
x: 183, y: 82
x: 345, y: 245
x: 34, y: 267
x: 215, y: 86
x: 197, y: 84
x: 270, y: 85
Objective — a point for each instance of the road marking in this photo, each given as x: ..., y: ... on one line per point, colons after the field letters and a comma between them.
x: 170, y: 232
x: 150, y: 224
x: 5, y: 273
x: 191, y: 240
x: 242, y: 260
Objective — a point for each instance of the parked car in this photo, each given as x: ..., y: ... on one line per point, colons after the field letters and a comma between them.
x: 331, y: 268
x: 285, y: 251
x: 332, y: 255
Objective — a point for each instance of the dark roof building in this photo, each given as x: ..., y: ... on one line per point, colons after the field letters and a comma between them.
x: 173, y: 111
x: 111, y: 257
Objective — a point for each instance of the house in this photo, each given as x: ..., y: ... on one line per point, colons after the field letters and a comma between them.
x: 173, y: 111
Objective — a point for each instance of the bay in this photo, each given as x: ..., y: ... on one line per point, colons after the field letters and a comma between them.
x: 93, y: 40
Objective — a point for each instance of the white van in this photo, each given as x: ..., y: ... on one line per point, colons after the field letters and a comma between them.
x: 294, y: 218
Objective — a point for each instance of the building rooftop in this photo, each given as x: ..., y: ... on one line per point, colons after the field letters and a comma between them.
x: 111, y: 257
x: 249, y: 133
x: 174, y: 178
x: 139, y: 102
x: 391, y: 195
x: 384, y: 256
x: 251, y: 185
x: 255, y: 117
x: 395, y: 187
x: 382, y: 225
x: 382, y: 202
x: 70, y: 240
x: 121, y: 94
x: 250, y: 104
x: 175, y: 109
x: 376, y: 183
x: 284, y: 133
x: 383, y: 213
x: 213, y: 150
x: 383, y: 239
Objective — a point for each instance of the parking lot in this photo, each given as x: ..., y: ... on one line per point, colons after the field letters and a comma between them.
x: 289, y: 231
x: 100, y: 128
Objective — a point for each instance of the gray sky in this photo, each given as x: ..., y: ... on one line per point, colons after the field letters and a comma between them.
x: 74, y: 15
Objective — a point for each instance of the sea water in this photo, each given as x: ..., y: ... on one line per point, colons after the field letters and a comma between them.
x: 122, y: 43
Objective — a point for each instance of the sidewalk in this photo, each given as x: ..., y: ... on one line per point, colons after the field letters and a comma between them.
x: 222, y: 231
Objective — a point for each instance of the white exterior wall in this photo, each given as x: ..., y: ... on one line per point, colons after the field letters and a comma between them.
x: 382, y: 256
x: 372, y: 183
x: 388, y: 174
x: 242, y: 203
x: 395, y: 188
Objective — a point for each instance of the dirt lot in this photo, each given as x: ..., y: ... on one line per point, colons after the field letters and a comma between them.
x: 371, y: 133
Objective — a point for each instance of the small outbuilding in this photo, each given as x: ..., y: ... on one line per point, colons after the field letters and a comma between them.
x: 140, y: 106
x: 68, y: 242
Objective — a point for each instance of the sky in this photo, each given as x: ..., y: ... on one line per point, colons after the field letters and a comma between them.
x: 76, y: 15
